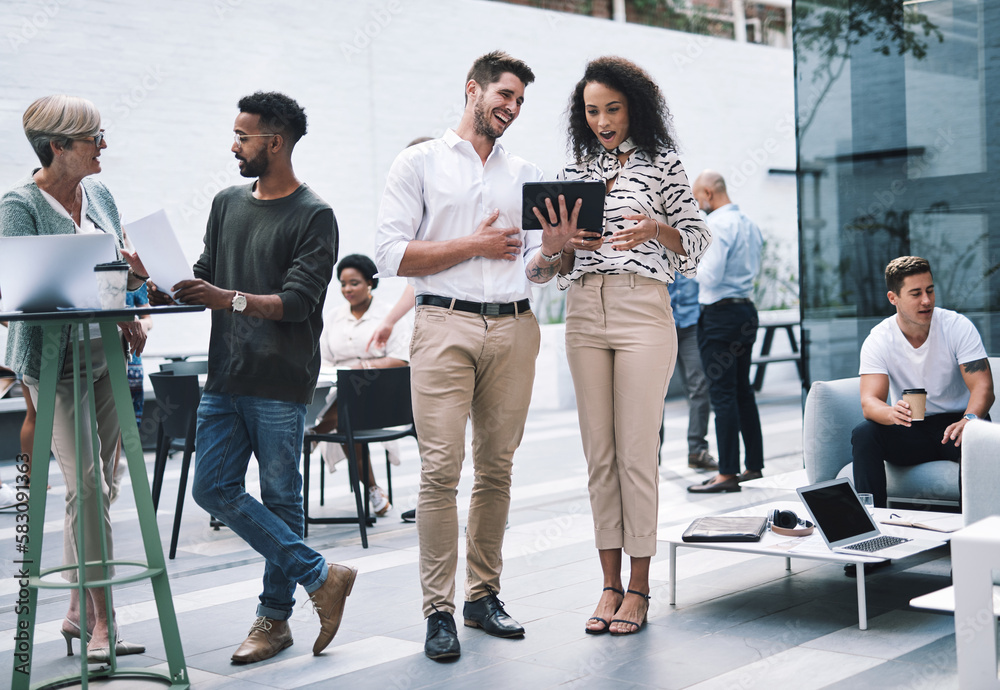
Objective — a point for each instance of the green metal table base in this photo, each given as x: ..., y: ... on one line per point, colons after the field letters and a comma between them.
x: 29, y: 540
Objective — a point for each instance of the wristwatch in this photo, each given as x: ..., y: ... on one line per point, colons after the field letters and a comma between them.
x: 970, y: 416
x: 550, y: 259
x: 239, y: 303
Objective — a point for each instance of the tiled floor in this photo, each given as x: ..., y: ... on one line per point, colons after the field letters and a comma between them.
x: 741, y: 622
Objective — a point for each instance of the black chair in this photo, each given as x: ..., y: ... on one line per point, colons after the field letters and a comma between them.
x: 186, y: 367
x: 373, y: 405
x: 177, y: 396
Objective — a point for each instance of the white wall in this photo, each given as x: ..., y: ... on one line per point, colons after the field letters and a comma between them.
x: 372, y: 75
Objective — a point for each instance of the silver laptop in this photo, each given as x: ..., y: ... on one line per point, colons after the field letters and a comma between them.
x: 847, y: 527
x: 50, y: 272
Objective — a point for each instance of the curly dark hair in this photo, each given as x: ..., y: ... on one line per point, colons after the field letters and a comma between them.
x: 649, y: 117
x: 278, y: 113
x: 362, y: 264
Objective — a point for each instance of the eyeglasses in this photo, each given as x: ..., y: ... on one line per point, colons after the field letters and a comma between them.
x: 241, y: 139
x: 98, y: 139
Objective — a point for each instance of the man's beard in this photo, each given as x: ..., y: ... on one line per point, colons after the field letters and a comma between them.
x: 256, y: 166
x: 483, y: 123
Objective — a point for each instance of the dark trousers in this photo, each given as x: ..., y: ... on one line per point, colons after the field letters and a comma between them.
x: 726, y: 334
x: 875, y: 444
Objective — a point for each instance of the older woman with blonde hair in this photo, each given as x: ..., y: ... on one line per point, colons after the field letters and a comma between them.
x: 60, y: 198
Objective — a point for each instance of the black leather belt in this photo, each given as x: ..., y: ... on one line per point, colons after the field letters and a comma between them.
x: 484, y: 308
x: 728, y: 300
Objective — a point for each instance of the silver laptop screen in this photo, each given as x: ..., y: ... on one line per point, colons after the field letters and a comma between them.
x: 838, y: 511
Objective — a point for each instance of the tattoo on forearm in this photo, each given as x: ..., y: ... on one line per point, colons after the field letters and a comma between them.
x: 977, y: 366
x: 542, y: 273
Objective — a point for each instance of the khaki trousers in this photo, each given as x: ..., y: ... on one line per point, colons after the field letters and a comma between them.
x: 462, y: 364
x: 64, y: 448
x: 621, y: 344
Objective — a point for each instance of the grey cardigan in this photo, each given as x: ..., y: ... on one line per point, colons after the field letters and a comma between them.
x: 24, y: 211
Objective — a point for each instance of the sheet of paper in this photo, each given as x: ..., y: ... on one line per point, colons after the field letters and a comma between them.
x: 161, y: 254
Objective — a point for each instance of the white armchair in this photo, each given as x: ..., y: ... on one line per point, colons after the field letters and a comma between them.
x: 833, y: 409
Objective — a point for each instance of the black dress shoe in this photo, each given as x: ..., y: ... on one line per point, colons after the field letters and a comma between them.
x: 708, y: 487
x: 442, y: 637
x: 487, y: 613
x: 409, y: 515
x: 749, y: 475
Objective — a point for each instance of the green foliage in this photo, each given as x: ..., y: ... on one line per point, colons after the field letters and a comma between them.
x: 777, y: 284
x: 661, y: 13
x: 832, y: 27
x: 829, y: 29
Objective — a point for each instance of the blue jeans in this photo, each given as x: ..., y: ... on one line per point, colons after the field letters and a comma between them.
x: 230, y: 428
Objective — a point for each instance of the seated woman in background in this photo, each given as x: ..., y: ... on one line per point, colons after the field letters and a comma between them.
x: 344, y: 344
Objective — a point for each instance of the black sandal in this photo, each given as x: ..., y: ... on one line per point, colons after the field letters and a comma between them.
x: 638, y: 626
x: 601, y: 631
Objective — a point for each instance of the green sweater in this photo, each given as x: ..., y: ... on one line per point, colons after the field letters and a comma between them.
x: 285, y: 247
x: 24, y: 211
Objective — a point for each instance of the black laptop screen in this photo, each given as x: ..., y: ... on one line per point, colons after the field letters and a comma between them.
x: 838, y: 511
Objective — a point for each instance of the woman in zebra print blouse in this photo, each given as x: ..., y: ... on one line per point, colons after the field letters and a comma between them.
x: 620, y: 336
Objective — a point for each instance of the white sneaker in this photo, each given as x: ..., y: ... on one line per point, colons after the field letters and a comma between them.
x: 379, y: 501
x: 8, y: 497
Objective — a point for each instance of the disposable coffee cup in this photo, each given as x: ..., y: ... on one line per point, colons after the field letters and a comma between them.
x: 112, y: 284
x: 916, y: 398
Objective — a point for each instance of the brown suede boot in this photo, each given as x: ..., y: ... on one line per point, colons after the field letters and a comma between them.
x: 267, y: 637
x: 329, y: 602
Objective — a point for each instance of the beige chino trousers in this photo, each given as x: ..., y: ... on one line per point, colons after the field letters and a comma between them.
x: 621, y: 344
x: 64, y: 448
x: 465, y: 364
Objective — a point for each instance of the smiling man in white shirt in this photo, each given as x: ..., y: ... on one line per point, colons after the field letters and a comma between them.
x: 450, y: 221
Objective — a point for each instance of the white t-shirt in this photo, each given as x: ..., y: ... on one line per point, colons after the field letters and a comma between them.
x: 934, y: 366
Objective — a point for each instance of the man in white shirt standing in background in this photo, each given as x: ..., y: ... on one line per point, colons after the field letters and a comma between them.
x: 921, y: 346
x: 450, y: 220
x: 727, y: 329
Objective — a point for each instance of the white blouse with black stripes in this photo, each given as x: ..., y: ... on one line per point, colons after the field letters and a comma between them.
x: 655, y: 186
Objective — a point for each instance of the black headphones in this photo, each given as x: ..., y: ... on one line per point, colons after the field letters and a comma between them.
x: 788, y: 524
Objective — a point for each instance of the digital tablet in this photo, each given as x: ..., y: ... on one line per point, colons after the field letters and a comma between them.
x: 591, y: 213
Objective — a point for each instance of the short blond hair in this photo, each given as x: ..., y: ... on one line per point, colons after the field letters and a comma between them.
x: 60, y: 119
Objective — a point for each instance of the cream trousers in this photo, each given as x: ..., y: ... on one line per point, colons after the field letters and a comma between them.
x: 621, y: 344
x: 465, y: 364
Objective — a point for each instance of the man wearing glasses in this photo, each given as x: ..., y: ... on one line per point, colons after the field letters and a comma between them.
x: 270, y: 249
